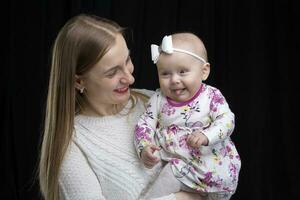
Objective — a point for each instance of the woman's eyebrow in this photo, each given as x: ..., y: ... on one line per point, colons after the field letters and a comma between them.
x: 112, y: 69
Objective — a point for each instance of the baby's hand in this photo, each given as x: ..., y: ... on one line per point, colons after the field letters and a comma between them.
x: 196, y: 139
x: 148, y: 157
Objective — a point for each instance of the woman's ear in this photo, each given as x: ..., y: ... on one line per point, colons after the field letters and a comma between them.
x: 205, y: 71
x: 79, y: 83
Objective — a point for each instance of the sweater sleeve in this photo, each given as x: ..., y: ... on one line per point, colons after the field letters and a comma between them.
x: 77, y: 180
x: 222, y: 118
x: 168, y: 197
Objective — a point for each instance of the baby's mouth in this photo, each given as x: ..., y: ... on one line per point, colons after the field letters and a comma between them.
x: 178, y: 91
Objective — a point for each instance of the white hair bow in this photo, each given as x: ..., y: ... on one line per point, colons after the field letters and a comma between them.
x: 167, y: 47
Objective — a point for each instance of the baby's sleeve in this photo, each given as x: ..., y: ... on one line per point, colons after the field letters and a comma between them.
x: 223, y: 123
x: 146, y: 125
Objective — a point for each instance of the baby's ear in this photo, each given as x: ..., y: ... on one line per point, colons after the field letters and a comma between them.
x: 205, y: 71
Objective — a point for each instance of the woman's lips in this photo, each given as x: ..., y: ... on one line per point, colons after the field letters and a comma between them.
x: 121, y: 90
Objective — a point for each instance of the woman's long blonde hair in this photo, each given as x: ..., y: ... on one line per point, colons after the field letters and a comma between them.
x: 80, y: 44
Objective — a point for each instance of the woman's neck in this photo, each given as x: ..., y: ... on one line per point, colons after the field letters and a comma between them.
x: 102, y: 110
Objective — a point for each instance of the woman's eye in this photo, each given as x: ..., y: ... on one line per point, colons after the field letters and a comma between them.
x: 111, y: 73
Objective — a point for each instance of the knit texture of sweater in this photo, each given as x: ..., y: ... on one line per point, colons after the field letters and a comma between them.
x: 101, y: 161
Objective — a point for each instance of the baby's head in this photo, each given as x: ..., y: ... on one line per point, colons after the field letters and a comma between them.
x: 182, y: 66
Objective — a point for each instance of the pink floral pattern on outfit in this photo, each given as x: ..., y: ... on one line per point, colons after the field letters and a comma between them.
x: 168, y: 109
x: 212, y: 168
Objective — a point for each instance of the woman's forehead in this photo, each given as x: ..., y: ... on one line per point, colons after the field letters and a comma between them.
x: 116, y: 54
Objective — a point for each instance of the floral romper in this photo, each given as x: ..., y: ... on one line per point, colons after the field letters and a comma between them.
x: 208, y: 169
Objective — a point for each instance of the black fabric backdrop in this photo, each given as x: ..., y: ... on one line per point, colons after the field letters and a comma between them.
x: 253, y: 48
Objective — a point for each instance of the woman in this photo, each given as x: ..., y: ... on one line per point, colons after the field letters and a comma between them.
x: 87, y: 150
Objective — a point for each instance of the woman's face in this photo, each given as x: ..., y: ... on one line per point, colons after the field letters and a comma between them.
x: 107, y: 83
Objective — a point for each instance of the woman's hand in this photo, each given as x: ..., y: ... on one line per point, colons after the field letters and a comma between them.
x: 187, y: 196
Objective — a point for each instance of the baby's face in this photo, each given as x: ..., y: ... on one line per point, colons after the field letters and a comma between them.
x: 180, y: 75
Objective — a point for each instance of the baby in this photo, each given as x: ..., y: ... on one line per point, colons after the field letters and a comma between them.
x: 187, y: 125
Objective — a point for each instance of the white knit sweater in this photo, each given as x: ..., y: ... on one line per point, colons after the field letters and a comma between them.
x: 101, y: 162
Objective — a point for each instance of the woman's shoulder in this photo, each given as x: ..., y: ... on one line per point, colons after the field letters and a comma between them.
x: 146, y: 92
x: 142, y: 94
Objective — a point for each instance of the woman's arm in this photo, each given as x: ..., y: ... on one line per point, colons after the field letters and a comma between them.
x: 187, y: 196
x: 181, y: 196
x: 77, y: 180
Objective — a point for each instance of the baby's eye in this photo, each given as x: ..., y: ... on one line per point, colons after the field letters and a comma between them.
x: 183, y: 71
x: 164, y: 73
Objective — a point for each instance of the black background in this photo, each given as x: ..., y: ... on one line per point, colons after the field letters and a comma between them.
x: 253, y: 48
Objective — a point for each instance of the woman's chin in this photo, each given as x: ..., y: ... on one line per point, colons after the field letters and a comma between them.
x: 122, y: 97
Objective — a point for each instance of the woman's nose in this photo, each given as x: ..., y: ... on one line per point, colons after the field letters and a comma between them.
x: 127, y: 78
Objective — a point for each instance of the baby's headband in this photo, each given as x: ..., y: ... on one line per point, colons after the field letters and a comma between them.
x: 167, y: 47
